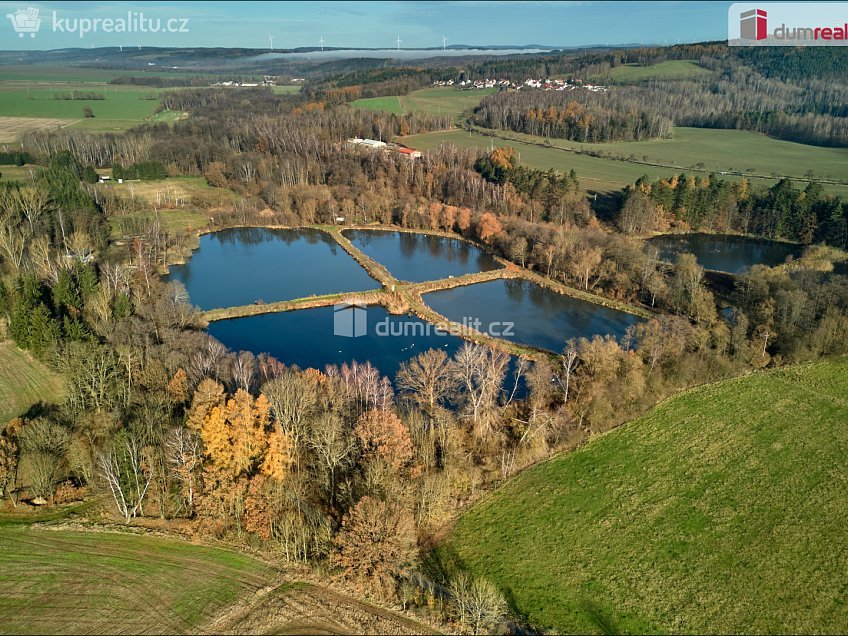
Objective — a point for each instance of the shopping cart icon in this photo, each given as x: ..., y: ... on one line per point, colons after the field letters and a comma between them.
x: 25, y: 21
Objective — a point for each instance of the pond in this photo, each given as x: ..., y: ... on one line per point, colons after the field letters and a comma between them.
x: 419, y: 257
x: 725, y: 253
x: 307, y: 337
x: 540, y: 317
x: 243, y: 265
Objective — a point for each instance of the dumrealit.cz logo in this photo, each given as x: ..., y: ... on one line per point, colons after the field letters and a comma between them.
x: 28, y: 22
x: 753, y: 25
x: 788, y: 24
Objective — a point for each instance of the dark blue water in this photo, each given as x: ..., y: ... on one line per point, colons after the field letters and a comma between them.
x: 419, y: 257
x: 725, y: 253
x: 242, y: 265
x: 541, y: 318
x: 306, y: 337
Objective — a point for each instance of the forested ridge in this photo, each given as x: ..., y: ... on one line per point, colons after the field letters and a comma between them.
x: 780, y: 92
x: 341, y: 466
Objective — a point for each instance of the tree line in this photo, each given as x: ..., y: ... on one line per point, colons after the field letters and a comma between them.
x: 708, y: 203
x: 558, y: 114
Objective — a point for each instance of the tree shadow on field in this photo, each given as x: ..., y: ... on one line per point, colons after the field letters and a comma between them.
x: 442, y: 563
x: 599, y: 617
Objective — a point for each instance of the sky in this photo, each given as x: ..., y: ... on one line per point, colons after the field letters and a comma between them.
x: 369, y: 24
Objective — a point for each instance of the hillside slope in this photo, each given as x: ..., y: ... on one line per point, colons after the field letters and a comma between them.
x: 722, y: 510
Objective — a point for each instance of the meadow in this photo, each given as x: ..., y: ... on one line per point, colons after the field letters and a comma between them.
x: 128, y: 104
x: 720, y: 511
x: 438, y: 100
x: 386, y: 104
x: 670, y: 70
x: 690, y: 147
x: 287, y: 89
x: 23, y: 382
x: 717, y: 150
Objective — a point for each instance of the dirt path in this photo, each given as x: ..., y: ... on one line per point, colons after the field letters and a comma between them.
x: 304, y: 608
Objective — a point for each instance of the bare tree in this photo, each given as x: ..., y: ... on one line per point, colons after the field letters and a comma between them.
x: 427, y: 378
x: 294, y: 400
x: 333, y: 445
x: 569, y: 364
x: 244, y: 370
x: 42, y: 259
x: 13, y: 240
x: 122, y: 467
x: 477, y: 603
x: 80, y: 245
x: 184, y: 453
x: 479, y: 373
x: 32, y: 202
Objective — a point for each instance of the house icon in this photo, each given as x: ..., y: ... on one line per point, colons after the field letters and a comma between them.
x: 350, y: 320
x: 25, y: 21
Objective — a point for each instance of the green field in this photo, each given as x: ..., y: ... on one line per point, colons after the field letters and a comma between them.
x: 439, y: 100
x: 387, y: 104
x: 74, y: 74
x: 689, y: 147
x: 671, y: 70
x: 444, y: 100
x: 179, y: 220
x: 286, y: 90
x: 722, y: 510
x: 121, y: 103
x: 713, y: 149
x: 86, y: 579
x: 19, y: 173
x: 23, y: 382
x: 100, y: 582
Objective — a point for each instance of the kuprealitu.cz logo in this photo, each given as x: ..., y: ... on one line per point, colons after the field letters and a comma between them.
x: 29, y: 22
x: 788, y: 24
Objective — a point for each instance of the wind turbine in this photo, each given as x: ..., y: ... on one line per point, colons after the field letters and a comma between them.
x: 321, y: 42
x: 398, y: 43
x: 271, y: 40
x: 444, y: 42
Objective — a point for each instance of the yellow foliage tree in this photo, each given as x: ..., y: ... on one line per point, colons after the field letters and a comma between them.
x: 208, y: 395
x: 234, y: 434
x: 178, y: 387
x: 278, y: 456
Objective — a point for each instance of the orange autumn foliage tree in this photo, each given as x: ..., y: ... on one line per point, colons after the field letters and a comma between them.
x: 375, y: 545
x: 246, y: 461
x: 278, y: 456
x: 234, y: 433
x: 383, y: 435
x: 489, y: 226
x: 207, y: 396
x: 178, y: 387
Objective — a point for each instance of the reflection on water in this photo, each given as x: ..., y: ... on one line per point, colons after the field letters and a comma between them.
x: 243, y: 265
x: 725, y: 253
x: 541, y: 318
x: 306, y: 338
x: 419, y: 257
